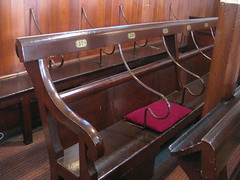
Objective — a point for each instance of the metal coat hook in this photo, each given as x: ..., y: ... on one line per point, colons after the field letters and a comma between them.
x: 171, y: 11
x: 86, y: 17
x: 121, y: 12
x: 51, y: 61
x: 32, y: 14
x: 1, y: 136
x: 187, y: 71
x: 148, y: 4
x: 195, y: 43
x: 149, y: 89
x: 91, y: 25
x: 212, y: 33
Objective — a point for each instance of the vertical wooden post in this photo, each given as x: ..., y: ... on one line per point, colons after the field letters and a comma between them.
x: 233, y: 63
x: 215, y: 8
x: 172, y: 44
x: 225, y: 61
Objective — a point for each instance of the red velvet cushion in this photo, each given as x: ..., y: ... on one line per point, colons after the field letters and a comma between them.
x: 159, y: 108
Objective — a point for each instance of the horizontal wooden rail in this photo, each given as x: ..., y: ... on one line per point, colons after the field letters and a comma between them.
x: 99, y: 85
x: 43, y: 46
x: 194, y: 52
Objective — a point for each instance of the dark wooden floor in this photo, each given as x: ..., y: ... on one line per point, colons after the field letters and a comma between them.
x: 19, y: 161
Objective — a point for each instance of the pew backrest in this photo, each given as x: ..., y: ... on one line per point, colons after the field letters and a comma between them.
x: 33, y: 50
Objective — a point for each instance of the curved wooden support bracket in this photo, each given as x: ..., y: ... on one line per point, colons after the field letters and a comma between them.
x: 66, y: 116
x: 87, y: 167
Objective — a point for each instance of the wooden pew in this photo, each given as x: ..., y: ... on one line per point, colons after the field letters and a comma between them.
x: 84, y: 129
x: 17, y: 89
x: 221, y: 147
x: 216, y: 137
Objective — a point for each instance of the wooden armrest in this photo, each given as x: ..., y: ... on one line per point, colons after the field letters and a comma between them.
x: 63, y: 113
x: 190, y: 141
x: 220, y: 144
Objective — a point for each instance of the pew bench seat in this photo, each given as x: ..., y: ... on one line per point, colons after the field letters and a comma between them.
x: 129, y: 144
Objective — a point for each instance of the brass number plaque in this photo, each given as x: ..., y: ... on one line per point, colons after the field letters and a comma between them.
x: 132, y: 35
x: 165, y: 30
x: 81, y: 43
x: 189, y: 27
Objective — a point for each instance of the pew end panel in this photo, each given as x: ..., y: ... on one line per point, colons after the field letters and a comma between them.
x: 220, y: 147
x: 216, y: 137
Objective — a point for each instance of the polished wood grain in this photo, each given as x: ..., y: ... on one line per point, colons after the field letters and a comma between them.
x: 16, y: 88
x: 216, y: 137
x: 45, y: 47
x: 220, y: 146
x: 224, y: 67
x: 120, y: 149
x: 232, y: 71
x: 65, y: 15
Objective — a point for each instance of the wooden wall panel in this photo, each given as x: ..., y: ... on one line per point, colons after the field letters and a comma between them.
x: 65, y: 15
x: 5, y: 27
x: 74, y: 15
x: 95, y: 10
x: 12, y: 20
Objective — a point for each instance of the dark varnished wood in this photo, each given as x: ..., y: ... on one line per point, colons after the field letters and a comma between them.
x: 121, y: 148
x: 58, y: 16
x: 161, y: 140
x: 191, y: 140
x: 215, y: 136
x: 223, y: 75
x: 32, y: 48
x: 220, y: 146
x: 232, y: 71
x: 16, y: 89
